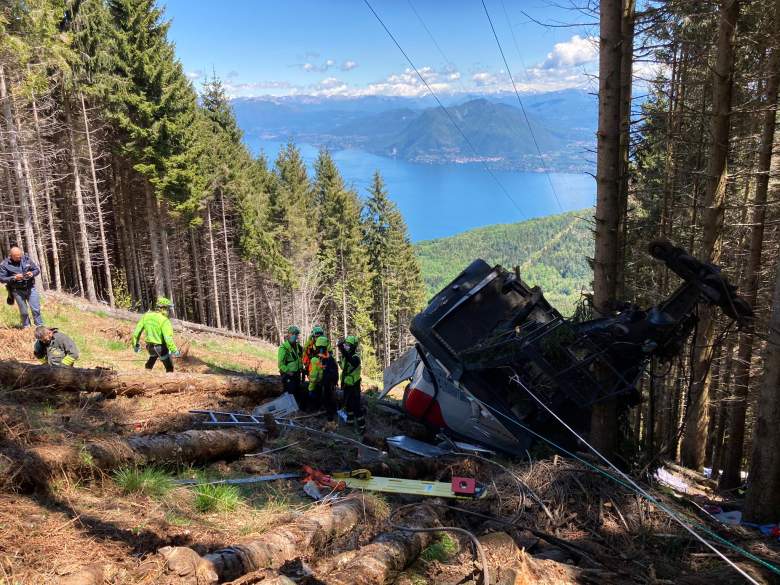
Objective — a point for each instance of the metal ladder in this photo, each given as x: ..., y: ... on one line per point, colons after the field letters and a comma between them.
x: 219, y: 418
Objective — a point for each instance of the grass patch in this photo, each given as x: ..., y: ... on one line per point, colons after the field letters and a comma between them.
x: 443, y: 549
x: 150, y: 481
x: 175, y: 519
x: 216, y: 498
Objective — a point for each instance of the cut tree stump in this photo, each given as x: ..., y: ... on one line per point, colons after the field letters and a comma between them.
x: 390, y: 553
x: 18, y: 375
x: 273, y: 548
x: 35, y: 465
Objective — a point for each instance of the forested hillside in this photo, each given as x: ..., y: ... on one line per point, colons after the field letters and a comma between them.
x: 124, y: 182
x: 551, y: 252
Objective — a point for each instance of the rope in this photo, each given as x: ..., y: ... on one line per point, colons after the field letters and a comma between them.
x: 629, y: 483
x: 445, y: 110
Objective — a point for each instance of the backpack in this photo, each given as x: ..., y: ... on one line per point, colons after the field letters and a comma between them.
x: 331, y: 372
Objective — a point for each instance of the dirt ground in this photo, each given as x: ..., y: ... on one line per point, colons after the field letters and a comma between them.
x: 547, y: 521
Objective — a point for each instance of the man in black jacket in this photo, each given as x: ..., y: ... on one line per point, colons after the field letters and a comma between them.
x: 17, y: 273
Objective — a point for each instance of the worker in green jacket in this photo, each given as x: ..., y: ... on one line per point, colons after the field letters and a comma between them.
x: 350, y: 381
x: 323, y: 379
x: 289, y: 359
x: 157, y: 327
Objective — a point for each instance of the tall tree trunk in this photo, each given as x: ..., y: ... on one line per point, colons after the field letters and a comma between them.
x: 153, y: 221
x: 230, y: 290
x: 86, y: 257
x: 47, y: 191
x: 626, y: 73
x: 40, y: 250
x: 98, y: 207
x: 213, y: 259
x: 200, y: 297
x: 166, y: 257
x: 605, y: 263
x: 713, y: 204
x: 763, y: 495
x: 21, y: 185
x: 733, y: 462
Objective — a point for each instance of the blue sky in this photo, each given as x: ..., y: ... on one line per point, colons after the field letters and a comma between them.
x: 337, y: 48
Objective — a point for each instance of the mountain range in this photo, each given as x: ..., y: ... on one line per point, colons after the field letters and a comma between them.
x: 417, y: 130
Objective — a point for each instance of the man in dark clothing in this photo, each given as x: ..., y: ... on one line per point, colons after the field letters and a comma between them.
x: 323, y: 379
x: 54, y: 348
x: 17, y: 273
x: 350, y: 382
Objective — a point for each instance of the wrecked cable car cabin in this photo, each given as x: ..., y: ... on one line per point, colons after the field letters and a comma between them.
x: 495, y: 363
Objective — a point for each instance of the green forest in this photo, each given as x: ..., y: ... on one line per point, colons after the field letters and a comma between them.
x: 124, y: 182
x: 551, y: 252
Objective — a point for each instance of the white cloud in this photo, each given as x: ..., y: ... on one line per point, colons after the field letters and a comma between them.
x: 329, y: 63
x: 484, y: 78
x: 330, y: 82
x: 453, y: 76
x: 574, y: 52
x: 194, y: 75
x: 348, y: 65
x: 308, y: 67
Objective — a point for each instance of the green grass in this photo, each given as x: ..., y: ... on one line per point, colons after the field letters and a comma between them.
x: 443, y: 549
x: 175, y: 519
x: 216, y: 498
x: 149, y: 481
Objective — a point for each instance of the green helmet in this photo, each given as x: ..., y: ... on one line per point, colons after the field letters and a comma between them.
x: 322, y: 341
x: 293, y: 330
x: 352, y: 340
x: 164, y: 302
x: 317, y: 331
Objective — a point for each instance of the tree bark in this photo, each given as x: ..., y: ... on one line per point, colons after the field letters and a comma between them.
x: 153, y: 221
x: 763, y: 495
x: 47, y: 190
x: 167, y: 272
x: 713, y: 204
x: 21, y: 185
x: 200, y: 298
x: 37, y: 464
x: 390, y: 553
x: 277, y: 546
x: 230, y: 290
x: 98, y: 206
x: 749, y: 286
x: 86, y: 257
x: 605, y: 263
x: 15, y: 374
x: 213, y: 259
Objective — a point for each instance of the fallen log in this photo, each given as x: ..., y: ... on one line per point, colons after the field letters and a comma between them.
x: 34, y: 466
x: 390, y: 553
x: 111, y: 383
x: 273, y: 548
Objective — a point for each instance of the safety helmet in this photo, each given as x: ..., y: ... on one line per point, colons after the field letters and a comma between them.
x: 317, y: 331
x: 164, y: 302
x: 293, y: 330
x: 322, y: 341
x: 351, y: 340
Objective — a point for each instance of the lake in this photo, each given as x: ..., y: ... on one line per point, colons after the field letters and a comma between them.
x: 442, y: 200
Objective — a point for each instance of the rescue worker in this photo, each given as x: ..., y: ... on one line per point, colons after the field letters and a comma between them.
x: 310, y: 351
x: 159, y: 335
x: 323, y: 379
x: 54, y: 348
x: 350, y: 382
x: 289, y: 358
x: 17, y: 273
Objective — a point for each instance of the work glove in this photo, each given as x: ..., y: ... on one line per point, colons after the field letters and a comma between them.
x: 136, y: 348
x: 176, y: 354
x: 68, y: 360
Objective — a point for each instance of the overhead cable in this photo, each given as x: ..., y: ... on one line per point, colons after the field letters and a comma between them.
x: 445, y: 110
x: 522, y: 108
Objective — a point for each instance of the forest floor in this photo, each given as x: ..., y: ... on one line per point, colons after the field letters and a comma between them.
x: 547, y: 521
